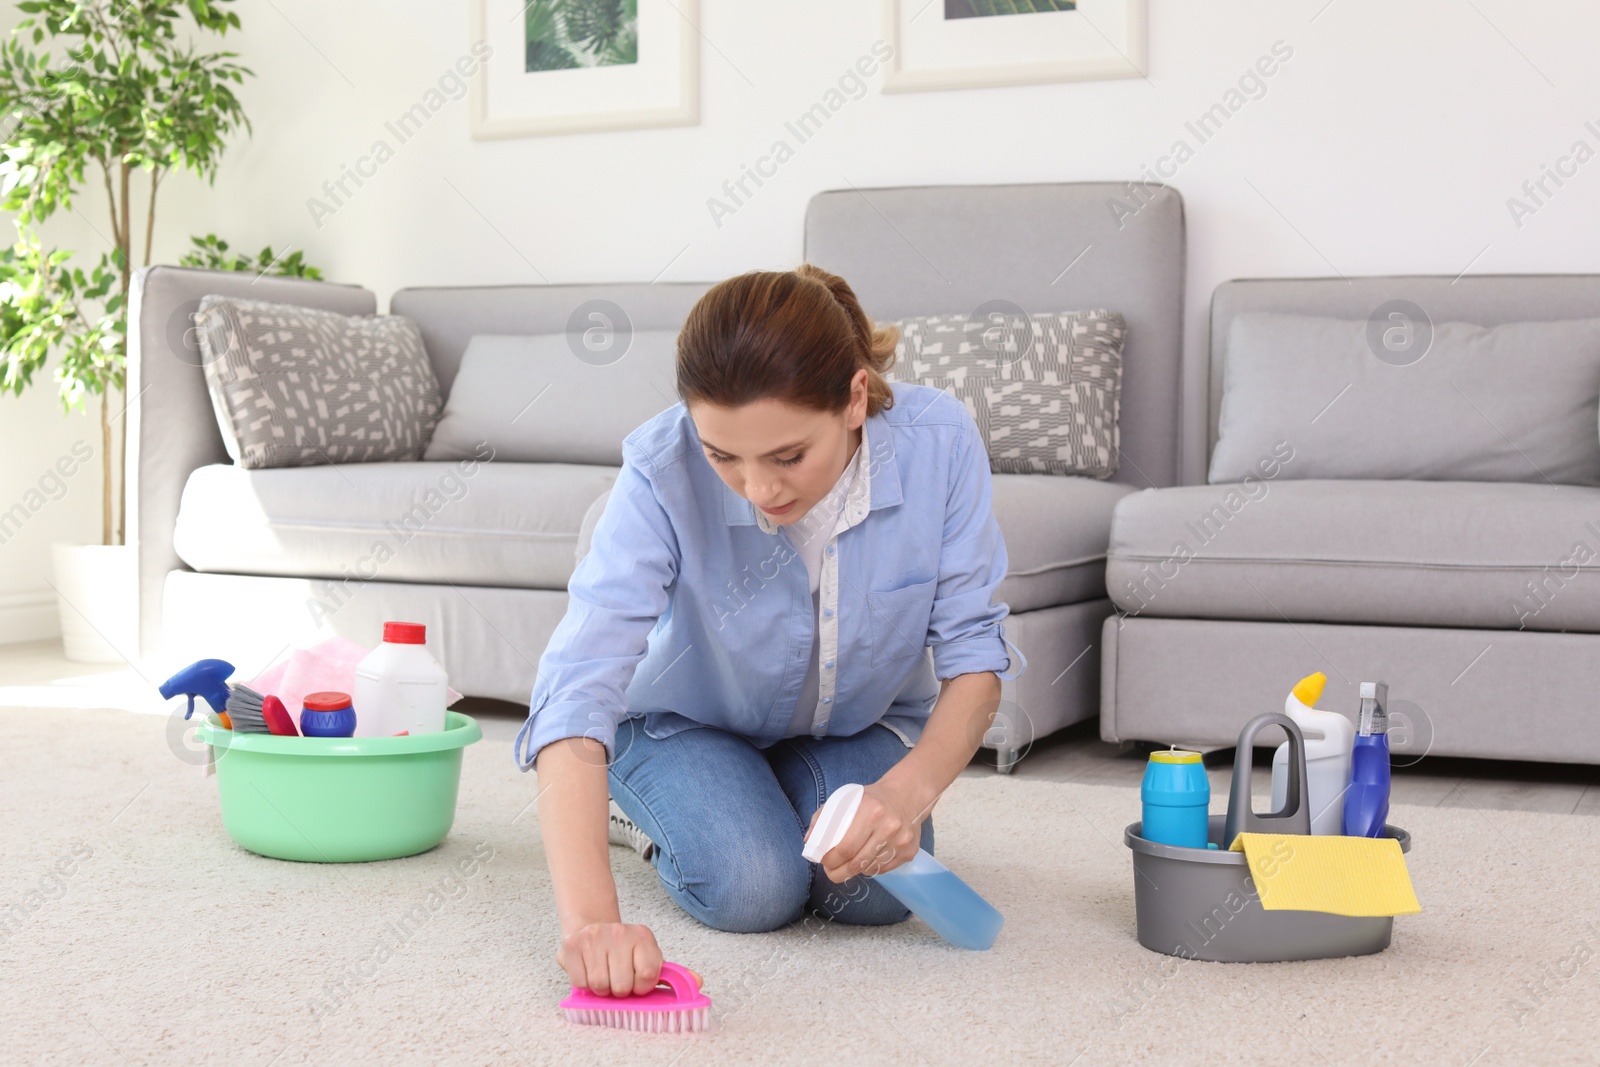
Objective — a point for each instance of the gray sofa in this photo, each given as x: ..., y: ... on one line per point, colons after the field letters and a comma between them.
x: 247, y: 562
x: 1470, y: 598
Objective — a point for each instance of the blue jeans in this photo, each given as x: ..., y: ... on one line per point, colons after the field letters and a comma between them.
x: 729, y: 819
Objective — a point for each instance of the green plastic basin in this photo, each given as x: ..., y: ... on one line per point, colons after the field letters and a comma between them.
x: 339, y: 799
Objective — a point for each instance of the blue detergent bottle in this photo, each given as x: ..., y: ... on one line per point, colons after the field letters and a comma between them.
x: 1366, y: 802
x: 930, y: 889
x: 1175, y: 796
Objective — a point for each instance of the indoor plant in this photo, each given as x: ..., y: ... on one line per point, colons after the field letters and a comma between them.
x: 113, y: 89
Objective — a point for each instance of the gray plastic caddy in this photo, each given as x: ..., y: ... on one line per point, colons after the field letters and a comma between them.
x: 1201, y: 903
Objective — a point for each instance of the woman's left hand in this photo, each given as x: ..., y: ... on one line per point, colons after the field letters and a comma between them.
x: 884, y: 834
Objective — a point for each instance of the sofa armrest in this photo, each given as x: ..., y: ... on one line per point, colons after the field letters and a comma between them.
x: 171, y: 425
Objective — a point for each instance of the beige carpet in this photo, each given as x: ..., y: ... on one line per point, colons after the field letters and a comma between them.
x: 165, y: 943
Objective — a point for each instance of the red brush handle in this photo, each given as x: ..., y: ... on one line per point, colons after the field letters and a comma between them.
x: 277, y: 718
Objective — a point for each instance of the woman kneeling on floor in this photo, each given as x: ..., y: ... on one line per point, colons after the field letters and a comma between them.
x: 751, y: 628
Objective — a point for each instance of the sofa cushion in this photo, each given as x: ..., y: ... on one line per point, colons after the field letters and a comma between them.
x: 533, y: 399
x: 1482, y: 554
x: 521, y: 525
x: 1044, y: 389
x: 294, y: 386
x: 1452, y: 401
x: 1056, y: 530
x: 471, y: 522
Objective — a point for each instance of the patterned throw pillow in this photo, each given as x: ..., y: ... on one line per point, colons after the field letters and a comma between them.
x: 295, y: 386
x: 1044, y: 389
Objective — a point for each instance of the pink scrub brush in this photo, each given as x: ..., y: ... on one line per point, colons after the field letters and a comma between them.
x: 675, y: 1005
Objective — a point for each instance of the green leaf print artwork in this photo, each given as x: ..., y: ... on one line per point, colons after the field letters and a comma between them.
x: 567, y: 34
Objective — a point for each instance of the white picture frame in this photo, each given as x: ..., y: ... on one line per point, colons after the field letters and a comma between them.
x: 1102, y: 39
x: 660, y: 89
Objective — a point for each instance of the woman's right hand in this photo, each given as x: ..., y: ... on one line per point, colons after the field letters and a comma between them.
x: 611, y: 959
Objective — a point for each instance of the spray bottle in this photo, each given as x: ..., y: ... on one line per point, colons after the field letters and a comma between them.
x: 1329, y: 739
x: 1366, y: 803
x: 206, y: 679
x: 929, y: 888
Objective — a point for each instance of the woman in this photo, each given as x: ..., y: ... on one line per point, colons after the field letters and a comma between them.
x: 748, y: 631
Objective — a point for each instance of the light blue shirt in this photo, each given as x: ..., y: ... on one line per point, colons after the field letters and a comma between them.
x: 684, y: 612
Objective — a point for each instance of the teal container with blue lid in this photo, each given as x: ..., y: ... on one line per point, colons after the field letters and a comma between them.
x: 1176, y: 796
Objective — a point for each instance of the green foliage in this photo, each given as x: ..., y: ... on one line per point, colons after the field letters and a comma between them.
x: 597, y: 24
x: 108, y: 83
x: 121, y: 92
x: 563, y: 34
x: 211, y: 253
x: 623, y: 48
x: 42, y: 311
x: 541, y: 29
x: 112, y: 86
x: 544, y: 54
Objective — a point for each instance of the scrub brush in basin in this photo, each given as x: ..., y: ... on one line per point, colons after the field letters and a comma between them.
x: 276, y: 716
x: 675, y: 1005
x: 244, y: 708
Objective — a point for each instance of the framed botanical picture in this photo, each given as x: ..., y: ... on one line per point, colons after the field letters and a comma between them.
x: 968, y: 44
x: 571, y: 66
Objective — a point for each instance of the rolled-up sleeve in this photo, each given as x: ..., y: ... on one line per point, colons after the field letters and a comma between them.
x: 617, y: 593
x: 966, y: 630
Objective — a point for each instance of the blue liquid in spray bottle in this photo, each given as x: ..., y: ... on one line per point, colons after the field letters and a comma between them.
x: 1366, y: 802
x: 930, y: 889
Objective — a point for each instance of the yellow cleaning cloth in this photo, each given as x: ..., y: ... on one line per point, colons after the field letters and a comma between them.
x: 1358, y: 876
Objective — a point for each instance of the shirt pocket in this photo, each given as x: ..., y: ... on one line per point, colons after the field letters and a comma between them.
x: 899, y: 620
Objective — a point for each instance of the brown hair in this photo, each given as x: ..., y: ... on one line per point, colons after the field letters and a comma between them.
x: 797, y: 335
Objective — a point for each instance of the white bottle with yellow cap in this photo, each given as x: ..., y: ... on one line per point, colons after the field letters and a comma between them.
x: 1329, y: 739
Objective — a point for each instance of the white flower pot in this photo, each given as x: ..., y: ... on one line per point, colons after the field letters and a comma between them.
x: 97, y: 596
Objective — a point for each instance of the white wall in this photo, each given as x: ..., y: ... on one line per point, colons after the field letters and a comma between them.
x: 1389, y: 143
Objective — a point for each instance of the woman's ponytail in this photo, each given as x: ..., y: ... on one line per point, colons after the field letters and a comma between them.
x: 876, y: 343
x: 797, y: 335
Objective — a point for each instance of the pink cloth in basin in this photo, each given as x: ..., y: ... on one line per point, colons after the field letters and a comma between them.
x: 328, y: 665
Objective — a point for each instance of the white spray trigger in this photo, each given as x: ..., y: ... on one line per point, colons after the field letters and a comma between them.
x: 833, y: 822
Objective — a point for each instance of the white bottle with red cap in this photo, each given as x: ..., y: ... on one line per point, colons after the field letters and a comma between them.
x: 400, y: 686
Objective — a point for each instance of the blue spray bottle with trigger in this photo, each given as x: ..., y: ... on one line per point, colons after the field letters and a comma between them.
x: 207, y: 679
x: 930, y: 889
x: 1366, y: 802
